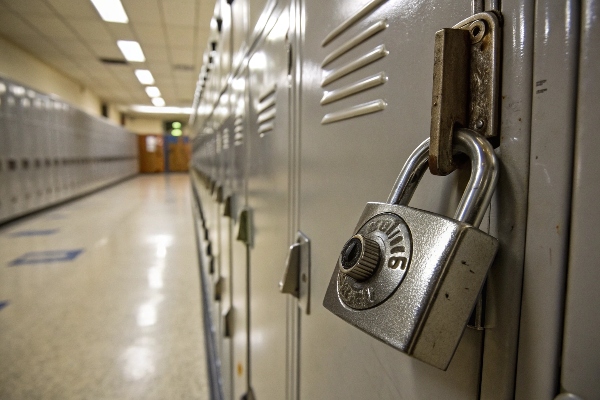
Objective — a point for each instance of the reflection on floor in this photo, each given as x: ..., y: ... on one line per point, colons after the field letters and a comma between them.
x: 99, y: 298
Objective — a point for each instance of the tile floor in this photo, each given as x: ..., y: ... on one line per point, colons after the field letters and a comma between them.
x: 99, y: 298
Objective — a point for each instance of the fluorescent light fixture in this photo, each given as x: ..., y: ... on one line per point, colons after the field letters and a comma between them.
x: 132, y: 51
x: 153, y: 91
x: 161, y: 110
x: 158, y: 102
x: 111, y: 10
x: 144, y: 76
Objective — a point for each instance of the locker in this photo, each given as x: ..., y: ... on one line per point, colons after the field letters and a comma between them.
x: 268, y: 199
x: 239, y: 247
x: 50, y: 151
x: 5, y: 193
x: 338, y: 94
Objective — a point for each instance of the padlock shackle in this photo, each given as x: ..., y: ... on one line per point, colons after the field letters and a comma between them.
x: 479, y: 190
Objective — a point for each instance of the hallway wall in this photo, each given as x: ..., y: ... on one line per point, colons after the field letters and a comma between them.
x: 18, y: 65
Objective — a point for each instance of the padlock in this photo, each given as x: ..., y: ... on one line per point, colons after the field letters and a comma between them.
x: 410, y: 277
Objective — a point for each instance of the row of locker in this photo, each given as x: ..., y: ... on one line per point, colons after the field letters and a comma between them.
x: 306, y: 111
x: 51, y: 151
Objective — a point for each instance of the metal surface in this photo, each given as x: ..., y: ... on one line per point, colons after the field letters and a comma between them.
x: 290, y: 281
x: 296, y: 276
x: 328, y: 162
x: 449, y: 256
x: 394, y: 240
x: 466, y: 83
x: 548, y: 215
x: 268, y: 196
x: 51, y: 151
x: 580, y: 350
x: 428, y: 312
x: 479, y: 190
x: 484, y: 104
x: 387, y: 136
x: 449, y: 104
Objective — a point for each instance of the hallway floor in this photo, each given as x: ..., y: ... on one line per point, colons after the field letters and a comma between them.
x: 100, y: 298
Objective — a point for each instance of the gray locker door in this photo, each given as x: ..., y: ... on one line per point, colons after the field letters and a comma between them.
x: 239, y: 250
x: 225, y: 237
x: 268, y: 199
x: 550, y: 182
x: 347, y: 162
x: 581, y: 353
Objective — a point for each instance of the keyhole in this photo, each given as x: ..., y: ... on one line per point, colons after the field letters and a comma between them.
x: 351, y: 253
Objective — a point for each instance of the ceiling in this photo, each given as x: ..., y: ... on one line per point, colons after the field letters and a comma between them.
x: 70, y: 36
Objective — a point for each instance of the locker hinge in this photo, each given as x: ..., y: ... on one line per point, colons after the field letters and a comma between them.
x: 466, y: 86
x: 296, y: 276
x: 245, y: 226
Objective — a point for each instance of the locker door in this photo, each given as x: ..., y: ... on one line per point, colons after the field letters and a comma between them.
x: 224, y: 191
x: 268, y: 199
x: 5, y: 207
x: 354, y: 141
x: 580, y: 352
x: 239, y: 254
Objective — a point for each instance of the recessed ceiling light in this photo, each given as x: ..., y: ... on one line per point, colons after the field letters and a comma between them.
x: 161, y: 110
x: 132, y: 51
x: 111, y: 10
x: 158, y: 102
x: 153, y: 91
x: 144, y: 76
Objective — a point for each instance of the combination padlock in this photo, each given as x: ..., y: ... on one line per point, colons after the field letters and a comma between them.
x: 411, y: 278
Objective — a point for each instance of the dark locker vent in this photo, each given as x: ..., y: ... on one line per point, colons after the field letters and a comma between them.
x: 266, y: 111
x: 362, y: 83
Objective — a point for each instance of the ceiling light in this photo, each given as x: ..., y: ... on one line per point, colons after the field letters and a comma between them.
x: 132, y: 51
x: 161, y: 110
x: 158, y: 102
x: 153, y: 91
x: 111, y: 10
x: 144, y: 76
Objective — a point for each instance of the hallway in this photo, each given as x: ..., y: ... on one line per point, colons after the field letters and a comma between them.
x: 100, y: 298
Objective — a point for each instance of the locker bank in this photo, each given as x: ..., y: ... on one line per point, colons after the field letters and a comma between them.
x: 380, y: 199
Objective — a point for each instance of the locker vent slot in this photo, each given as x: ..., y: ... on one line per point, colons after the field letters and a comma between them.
x: 238, y: 130
x: 370, y: 6
x: 225, y: 137
x: 357, y: 84
x: 356, y: 87
x: 355, y: 111
x: 355, y: 41
x: 266, y: 111
x: 372, y: 56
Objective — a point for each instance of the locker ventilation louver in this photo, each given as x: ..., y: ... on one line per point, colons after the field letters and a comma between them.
x: 238, y: 130
x: 266, y: 111
x: 332, y: 75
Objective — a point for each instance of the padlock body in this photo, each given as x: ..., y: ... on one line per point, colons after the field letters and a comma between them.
x: 426, y: 311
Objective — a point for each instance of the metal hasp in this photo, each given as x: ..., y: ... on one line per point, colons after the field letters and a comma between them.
x: 466, y: 86
x: 410, y: 277
x: 218, y: 289
x: 245, y: 226
x: 296, y: 276
x: 228, y: 323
